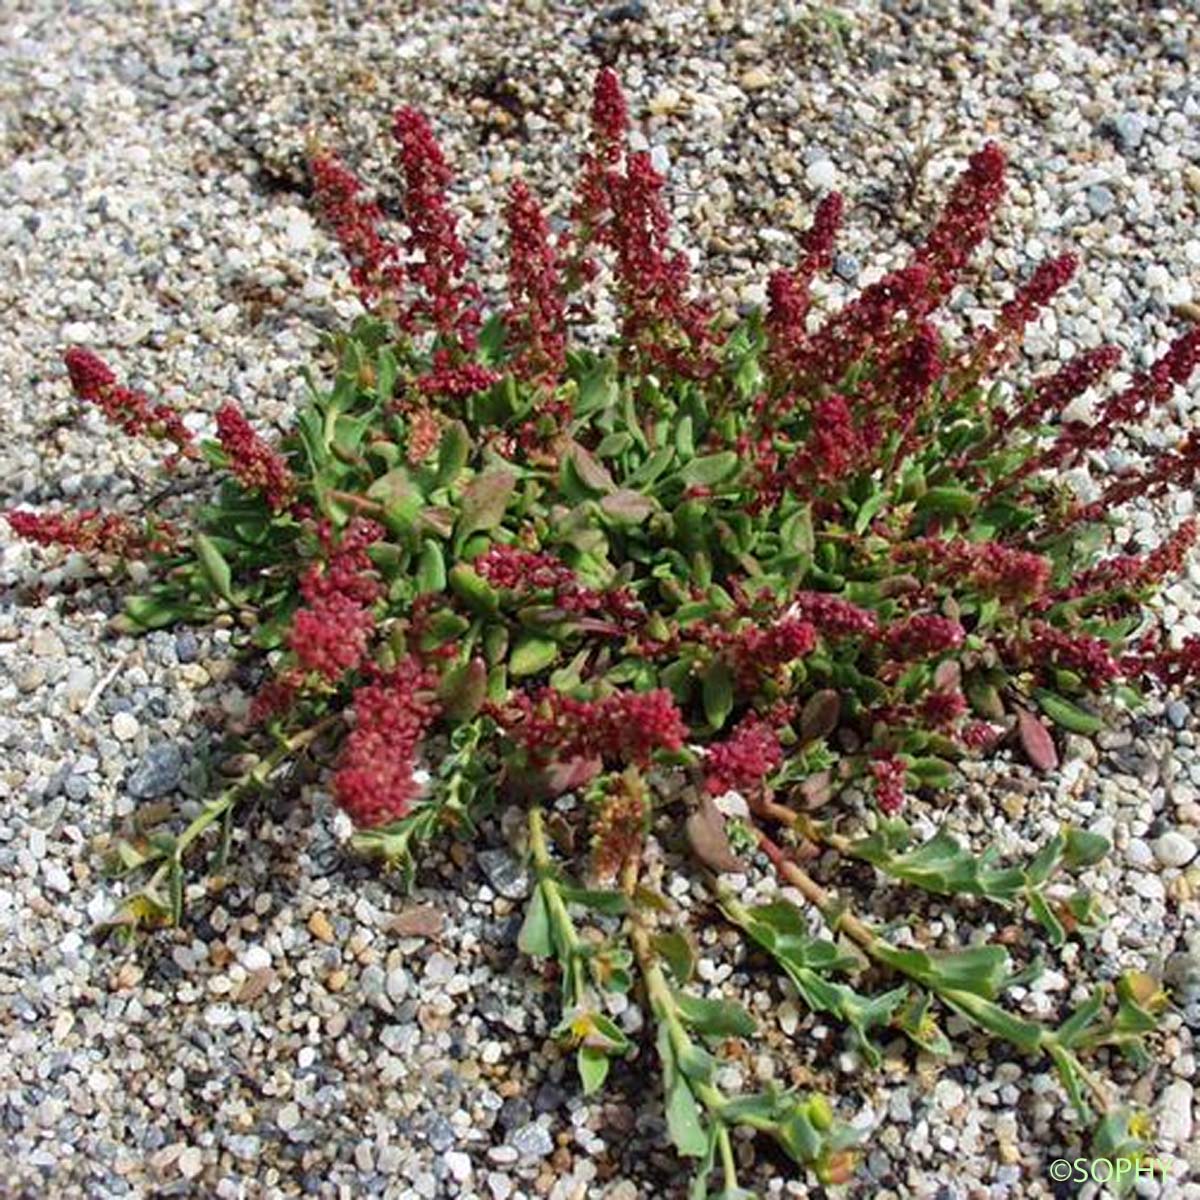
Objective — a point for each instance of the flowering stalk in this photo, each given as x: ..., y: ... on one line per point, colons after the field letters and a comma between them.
x: 94, y: 383
x: 375, y: 263
x: 257, y: 466
x: 92, y: 532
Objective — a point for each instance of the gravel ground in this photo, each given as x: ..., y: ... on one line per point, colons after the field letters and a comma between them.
x: 311, y: 1031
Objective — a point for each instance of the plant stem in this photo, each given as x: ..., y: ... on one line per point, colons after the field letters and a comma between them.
x: 868, y: 940
x: 360, y: 504
x: 218, y: 808
x: 564, y: 929
x: 662, y: 1002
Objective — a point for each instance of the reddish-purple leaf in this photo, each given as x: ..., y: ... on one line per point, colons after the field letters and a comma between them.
x: 819, y: 717
x: 1036, y: 741
x: 708, y: 840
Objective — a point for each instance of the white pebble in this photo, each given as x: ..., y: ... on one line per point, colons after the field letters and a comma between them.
x: 1174, y: 850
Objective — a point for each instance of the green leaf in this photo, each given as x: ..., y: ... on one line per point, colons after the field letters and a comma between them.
x: 597, y: 391
x: 484, y: 502
x: 979, y: 970
x: 463, y: 690
x: 592, y: 1064
x: 709, y: 470
x: 796, y: 533
x: 157, y: 611
x: 718, y: 693
x: 1084, y: 848
x: 682, y: 1110
x: 941, y: 865
x: 536, y: 938
x: 714, y: 1018
x: 948, y: 501
x: 1069, y: 716
x: 676, y: 951
x: 589, y: 474
x: 431, y: 569
x: 627, y: 506
x: 216, y: 569
x: 479, y: 595
x: 532, y: 654
x: 453, y: 451
x: 609, y: 903
x: 869, y: 510
x: 1046, y: 917
x: 1025, y: 1035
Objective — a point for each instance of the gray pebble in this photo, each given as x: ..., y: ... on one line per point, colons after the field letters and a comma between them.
x: 532, y: 1141
x: 158, y: 773
x: 506, y: 875
x: 1100, y: 200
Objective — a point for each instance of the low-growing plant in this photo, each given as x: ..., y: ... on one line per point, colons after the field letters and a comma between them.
x: 700, y: 593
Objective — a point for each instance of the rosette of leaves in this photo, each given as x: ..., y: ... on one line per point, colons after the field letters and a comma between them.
x: 736, y: 554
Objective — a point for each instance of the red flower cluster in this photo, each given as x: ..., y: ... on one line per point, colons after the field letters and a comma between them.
x: 888, y: 772
x: 922, y: 636
x: 375, y: 267
x: 1048, y: 279
x: 788, y: 292
x: 626, y: 727
x: 610, y: 120
x: 424, y: 433
x: 834, y: 617
x: 743, y: 760
x: 94, y: 383
x: 964, y: 222
x: 652, y: 280
x: 1173, y: 667
x: 330, y: 636
x: 439, y: 259
x: 455, y: 380
x: 1134, y: 571
x: 1168, y: 469
x: 979, y: 735
x: 991, y: 568
x: 520, y: 570
x: 92, y: 532
x: 835, y: 446
x: 943, y: 707
x: 536, y: 318
x: 1131, y: 406
x: 374, y: 781
x: 257, y: 466
x: 868, y: 325
x: 1051, y: 395
x: 275, y: 697
x: 1089, y: 657
x: 754, y: 651
x: 618, y: 828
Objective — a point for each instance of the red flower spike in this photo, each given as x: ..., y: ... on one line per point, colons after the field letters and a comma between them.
x: 374, y: 782
x: 330, y: 636
x: 888, y: 772
x: 256, y: 465
x: 963, y: 223
x: 788, y: 291
x: 834, y: 617
x: 624, y: 728
x: 375, y: 267
x: 450, y: 302
x: 922, y: 636
x: 991, y: 568
x: 536, y: 316
x: 94, y: 383
x: 91, y: 532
